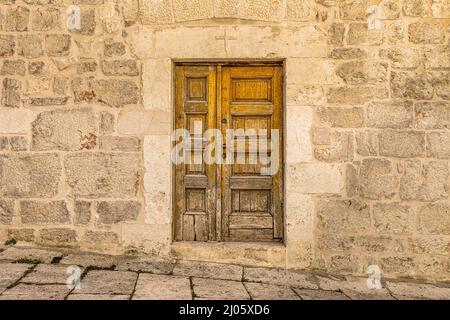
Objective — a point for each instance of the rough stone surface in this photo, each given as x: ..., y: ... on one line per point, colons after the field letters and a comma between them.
x: 211, y: 289
x: 44, y: 212
x: 161, y: 287
x: 32, y: 292
x: 117, y: 211
x: 90, y: 260
x: 66, y: 130
x: 279, y: 277
x: 208, y: 270
x: 146, y: 265
x: 48, y: 274
x: 29, y: 255
x: 28, y: 176
x: 108, y: 282
x: 402, y: 144
x: 11, y: 273
x: 97, y: 175
x: 261, y: 291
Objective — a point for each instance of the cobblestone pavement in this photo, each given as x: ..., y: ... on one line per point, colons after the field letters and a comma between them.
x: 35, y: 273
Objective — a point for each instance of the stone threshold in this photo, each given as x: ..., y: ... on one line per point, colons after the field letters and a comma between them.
x: 256, y: 254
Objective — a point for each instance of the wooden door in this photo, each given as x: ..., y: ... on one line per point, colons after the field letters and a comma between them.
x: 229, y: 201
x: 195, y: 184
x: 252, y: 201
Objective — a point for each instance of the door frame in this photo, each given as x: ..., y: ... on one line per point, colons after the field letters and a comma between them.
x: 232, y: 63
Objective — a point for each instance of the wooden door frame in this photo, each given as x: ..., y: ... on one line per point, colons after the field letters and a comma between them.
x: 219, y: 63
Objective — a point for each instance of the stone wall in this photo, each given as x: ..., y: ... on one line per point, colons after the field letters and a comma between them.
x: 85, y: 119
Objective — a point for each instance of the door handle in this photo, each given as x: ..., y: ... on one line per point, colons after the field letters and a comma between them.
x: 224, y: 121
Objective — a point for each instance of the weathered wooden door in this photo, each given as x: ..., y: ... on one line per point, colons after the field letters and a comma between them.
x: 232, y: 199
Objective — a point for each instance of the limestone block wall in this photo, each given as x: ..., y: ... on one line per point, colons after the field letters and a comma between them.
x: 86, y: 116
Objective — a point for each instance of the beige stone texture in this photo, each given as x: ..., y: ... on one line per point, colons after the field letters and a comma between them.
x: 261, y: 291
x: 86, y: 117
x: 212, y: 289
x: 162, y: 287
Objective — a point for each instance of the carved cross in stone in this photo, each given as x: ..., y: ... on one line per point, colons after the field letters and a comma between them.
x: 225, y: 39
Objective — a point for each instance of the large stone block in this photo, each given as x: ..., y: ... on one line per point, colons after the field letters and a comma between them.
x: 402, y: 58
x: 157, y: 84
x: 58, y: 235
x: 112, y: 212
x: 7, y: 46
x: 315, y: 178
x: 310, y: 72
x: 435, y: 219
x: 432, y: 115
x: 188, y: 10
x: 58, y: 45
x: 150, y: 122
x: 377, y: 179
x: 120, y: 68
x: 424, y: 183
x: 66, y: 130
x: 17, y: 19
x: 438, y: 145
x: 393, y: 218
x: 6, y: 211
x: 14, y: 121
x: 44, y: 212
x: 398, y: 265
x: 343, y: 216
x: 155, y: 12
x: 157, y: 179
x: 103, y: 175
x: 45, y: 19
x: 411, y: 86
x: 265, y: 10
x: 417, y: 8
x: 353, y: 10
x: 300, y: 10
x: 359, y: 34
x: 125, y: 144
x: 426, y: 33
x: 402, y: 144
x: 362, y: 72
x: 13, y: 67
x: 356, y: 95
x: 435, y: 245
x: 336, y: 34
x: 367, y: 143
x: 440, y: 9
x: 298, y: 141
x: 112, y: 92
x: 437, y: 57
x: 30, y: 176
x: 393, y: 114
x: 152, y: 239
x: 30, y: 46
x: 342, y: 117
x: 11, y: 92
x: 340, y: 149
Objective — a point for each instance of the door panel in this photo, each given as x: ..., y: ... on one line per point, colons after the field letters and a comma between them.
x: 251, y: 201
x: 229, y: 201
x: 195, y: 182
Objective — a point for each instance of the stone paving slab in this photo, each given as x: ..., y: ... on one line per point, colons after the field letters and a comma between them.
x: 106, y: 297
x: 211, y: 289
x: 406, y: 291
x: 162, y: 287
x: 280, y: 277
x: 208, y: 270
x: 29, y: 255
x: 355, y: 288
x: 90, y: 260
x: 10, y: 273
x: 262, y: 291
x: 48, y: 274
x: 108, y: 282
x: 35, y: 292
x: 146, y: 265
x: 310, y: 294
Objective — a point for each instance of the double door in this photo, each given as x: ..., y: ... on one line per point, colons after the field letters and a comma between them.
x: 228, y: 168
